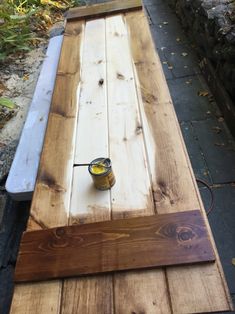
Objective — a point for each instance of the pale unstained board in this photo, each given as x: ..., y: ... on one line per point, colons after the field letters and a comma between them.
x: 90, y: 294
x: 132, y: 194
x: 198, y: 288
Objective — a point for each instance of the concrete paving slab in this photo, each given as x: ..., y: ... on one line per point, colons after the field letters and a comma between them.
x: 2, y: 206
x: 166, y: 38
x: 6, y: 280
x: 197, y: 159
x: 188, y: 104
x: 222, y: 222
x: 218, y: 147
x: 165, y: 65
x: 13, y: 224
x: 182, y: 59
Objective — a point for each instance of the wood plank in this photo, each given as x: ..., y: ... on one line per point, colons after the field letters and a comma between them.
x: 103, y: 9
x: 142, y: 242
x: 205, y: 289
x: 87, y: 203
x: 132, y: 191
x: 132, y: 194
x: 53, y: 186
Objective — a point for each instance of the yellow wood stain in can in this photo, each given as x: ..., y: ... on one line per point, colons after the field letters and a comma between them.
x: 102, y: 173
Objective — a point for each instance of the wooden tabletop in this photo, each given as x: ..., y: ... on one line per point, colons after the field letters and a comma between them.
x: 111, y: 100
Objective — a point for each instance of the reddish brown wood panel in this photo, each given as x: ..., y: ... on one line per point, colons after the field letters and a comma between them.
x: 143, y: 242
x: 102, y: 9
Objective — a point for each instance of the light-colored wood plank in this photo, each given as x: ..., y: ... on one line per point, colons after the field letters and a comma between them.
x: 87, y: 203
x: 36, y: 298
x: 203, y: 287
x: 132, y: 193
x: 53, y: 186
x: 102, y: 9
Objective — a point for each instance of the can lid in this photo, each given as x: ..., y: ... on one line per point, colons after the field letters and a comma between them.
x: 99, y: 166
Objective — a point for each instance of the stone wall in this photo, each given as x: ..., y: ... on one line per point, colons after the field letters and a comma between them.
x: 211, y: 23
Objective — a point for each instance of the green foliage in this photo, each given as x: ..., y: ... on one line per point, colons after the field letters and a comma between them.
x: 22, y: 20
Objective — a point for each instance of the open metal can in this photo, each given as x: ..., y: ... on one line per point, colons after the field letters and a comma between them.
x: 102, y: 173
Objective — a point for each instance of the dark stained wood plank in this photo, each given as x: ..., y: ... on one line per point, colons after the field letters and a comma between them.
x: 103, y: 9
x: 174, y: 184
x: 51, y: 199
x: 143, y: 242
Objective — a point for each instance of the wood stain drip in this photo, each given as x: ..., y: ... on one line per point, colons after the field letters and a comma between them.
x: 102, y: 173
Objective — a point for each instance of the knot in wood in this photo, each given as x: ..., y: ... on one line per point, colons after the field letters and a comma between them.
x: 60, y: 232
x: 185, y: 234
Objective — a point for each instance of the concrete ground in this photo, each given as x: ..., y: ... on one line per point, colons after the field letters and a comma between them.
x: 210, y: 146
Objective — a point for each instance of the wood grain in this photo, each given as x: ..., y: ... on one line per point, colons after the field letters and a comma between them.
x: 174, y: 184
x: 132, y: 194
x: 53, y: 186
x: 88, y: 204
x: 143, y: 242
x: 103, y: 9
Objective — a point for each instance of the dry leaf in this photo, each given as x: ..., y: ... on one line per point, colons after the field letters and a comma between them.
x: 233, y: 261
x: 184, y: 54
x: 221, y: 119
x: 165, y: 23
x: 25, y: 77
x: 219, y: 144
x: 217, y: 129
x: 164, y: 62
x: 178, y: 39
x: 2, y: 88
x: 170, y: 67
x: 203, y: 93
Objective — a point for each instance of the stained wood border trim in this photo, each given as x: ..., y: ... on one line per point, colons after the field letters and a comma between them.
x: 103, y: 9
x: 176, y: 188
x: 124, y: 244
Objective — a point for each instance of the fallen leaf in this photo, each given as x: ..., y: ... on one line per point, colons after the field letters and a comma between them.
x: 170, y: 67
x: 165, y: 23
x: 184, y: 54
x: 164, y: 62
x: 203, y: 93
x: 233, y: 261
x: 178, y: 39
x: 25, y: 77
x: 219, y: 144
x: 188, y: 82
x: 2, y: 88
x: 221, y: 119
x: 217, y: 129
x: 211, y: 98
x: 8, y: 103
